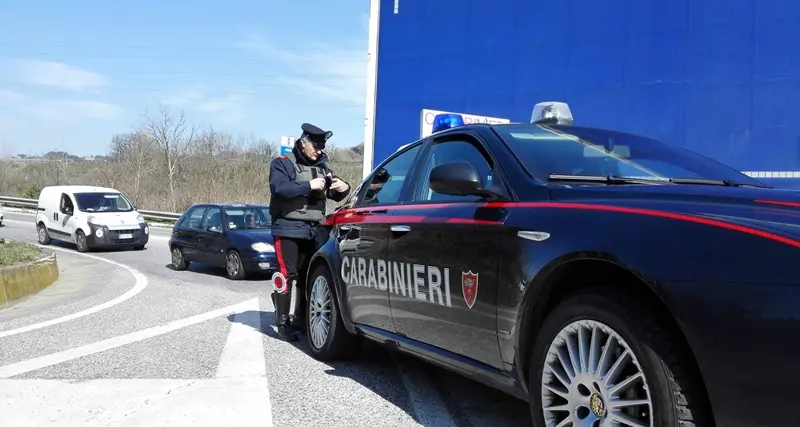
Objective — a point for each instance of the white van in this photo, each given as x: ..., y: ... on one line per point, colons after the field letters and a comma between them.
x: 90, y: 217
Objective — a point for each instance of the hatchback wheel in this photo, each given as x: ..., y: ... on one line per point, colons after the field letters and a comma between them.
x: 326, y: 334
x: 178, y: 260
x: 233, y: 266
x: 602, y: 358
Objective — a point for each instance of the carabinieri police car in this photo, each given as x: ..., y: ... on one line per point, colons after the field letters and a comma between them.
x: 607, y: 278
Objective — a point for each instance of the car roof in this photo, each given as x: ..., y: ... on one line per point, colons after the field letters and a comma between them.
x: 231, y: 205
x: 84, y: 189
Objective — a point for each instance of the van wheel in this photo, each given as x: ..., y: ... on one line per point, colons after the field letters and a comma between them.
x: 44, y: 237
x: 601, y: 355
x: 80, y: 241
x: 325, y: 331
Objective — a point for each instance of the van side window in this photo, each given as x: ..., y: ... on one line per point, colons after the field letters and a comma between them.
x: 66, y: 203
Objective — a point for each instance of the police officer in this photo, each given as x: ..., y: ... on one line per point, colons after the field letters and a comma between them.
x: 300, y: 183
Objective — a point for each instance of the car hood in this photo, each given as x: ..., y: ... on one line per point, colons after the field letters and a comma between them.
x: 252, y: 235
x: 771, y: 210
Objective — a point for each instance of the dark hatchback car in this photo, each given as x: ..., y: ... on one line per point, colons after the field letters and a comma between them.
x: 609, y: 279
x: 234, y: 236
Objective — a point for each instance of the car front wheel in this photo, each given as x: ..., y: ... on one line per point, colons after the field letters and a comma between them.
x: 604, y: 358
x: 326, y: 334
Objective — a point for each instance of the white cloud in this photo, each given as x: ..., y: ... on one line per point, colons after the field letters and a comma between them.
x: 57, y: 109
x: 52, y: 74
x: 335, y: 72
x: 227, y: 107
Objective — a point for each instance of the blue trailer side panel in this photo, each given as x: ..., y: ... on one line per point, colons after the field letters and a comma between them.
x: 720, y: 77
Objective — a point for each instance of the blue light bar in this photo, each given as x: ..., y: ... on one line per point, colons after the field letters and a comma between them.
x: 446, y: 121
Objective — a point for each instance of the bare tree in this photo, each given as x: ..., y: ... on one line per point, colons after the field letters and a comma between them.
x: 174, y: 136
x: 137, y: 153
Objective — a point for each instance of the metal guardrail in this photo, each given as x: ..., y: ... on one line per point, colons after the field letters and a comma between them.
x: 31, y: 204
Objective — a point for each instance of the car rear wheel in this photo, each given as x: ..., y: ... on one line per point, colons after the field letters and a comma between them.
x: 233, y: 266
x: 326, y: 334
x: 178, y: 260
x: 603, y: 358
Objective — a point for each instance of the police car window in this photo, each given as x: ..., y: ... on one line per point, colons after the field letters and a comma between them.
x: 195, y: 217
x: 449, y: 151
x: 387, y: 182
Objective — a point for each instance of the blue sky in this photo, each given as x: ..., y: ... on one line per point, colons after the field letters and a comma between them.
x: 72, y: 74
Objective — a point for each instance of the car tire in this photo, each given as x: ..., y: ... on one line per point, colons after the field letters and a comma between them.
x: 674, y: 393
x: 178, y: 259
x: 321, y: 297
x: 138, y: 248
x: 234, y: 268
x: 80, y: 241
x: 44, y: 236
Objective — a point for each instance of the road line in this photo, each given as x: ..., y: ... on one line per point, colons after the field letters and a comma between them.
x: 141, y: 283
x: 424, y: 399
x: 29, y: 365
x: 233, y: 402
x: 243, y: 354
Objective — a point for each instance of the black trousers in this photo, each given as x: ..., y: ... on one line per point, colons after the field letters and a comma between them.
x: 293, y: 257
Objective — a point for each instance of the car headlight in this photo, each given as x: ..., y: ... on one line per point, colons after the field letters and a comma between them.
x: 140, y: 218
x: 262, y: 247
x: 94, y: 220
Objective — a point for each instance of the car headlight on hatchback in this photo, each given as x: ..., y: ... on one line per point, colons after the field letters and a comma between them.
x: 262, y: 247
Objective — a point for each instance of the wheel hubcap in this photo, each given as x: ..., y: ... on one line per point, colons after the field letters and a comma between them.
x: 176, y: 257
x: 591, y: 378
x: 233, y: 264
x: 42, y: 235
x: 319, y: 312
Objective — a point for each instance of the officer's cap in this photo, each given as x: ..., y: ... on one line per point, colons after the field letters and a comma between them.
x: 316, y: 134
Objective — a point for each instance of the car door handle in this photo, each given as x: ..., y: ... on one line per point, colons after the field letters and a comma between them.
x: 401, y: 228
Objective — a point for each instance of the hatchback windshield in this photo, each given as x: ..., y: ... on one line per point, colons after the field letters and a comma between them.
x: 572, y: 150
x: 102, y: 202
x: 247, y: 217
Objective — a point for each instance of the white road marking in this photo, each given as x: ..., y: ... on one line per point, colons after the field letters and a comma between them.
x: 229, y: 402
x: 141, y: 283
x: 243, y: 355
x: 29, y: 365
x: 424, y: 399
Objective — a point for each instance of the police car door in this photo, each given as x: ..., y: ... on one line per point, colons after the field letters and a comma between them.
x: 362, y: 237
x: 444, y: 258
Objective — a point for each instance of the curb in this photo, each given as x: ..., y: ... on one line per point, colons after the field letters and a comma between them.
x: 20, y: 281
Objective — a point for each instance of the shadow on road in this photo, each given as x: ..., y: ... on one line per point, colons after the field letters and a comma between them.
x: 375, y: 368
x: 211, y: 270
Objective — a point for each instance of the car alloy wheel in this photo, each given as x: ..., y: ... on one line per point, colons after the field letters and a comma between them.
x: 319, y: 312
x: 177, y: 258
x: 233, y: 265
x: 80, y: 241
x: 592, y: 378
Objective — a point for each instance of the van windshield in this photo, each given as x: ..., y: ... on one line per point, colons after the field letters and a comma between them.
x: 102, y: 202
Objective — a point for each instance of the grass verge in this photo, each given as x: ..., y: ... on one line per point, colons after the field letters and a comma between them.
x: 17, y: 252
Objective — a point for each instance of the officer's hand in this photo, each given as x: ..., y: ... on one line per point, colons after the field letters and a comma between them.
x: 338, y: 185
x: 317, y: 183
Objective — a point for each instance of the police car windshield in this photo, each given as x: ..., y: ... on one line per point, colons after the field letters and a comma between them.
x: 102, y: 202
x: 247, y: 217
x: 573, y: 150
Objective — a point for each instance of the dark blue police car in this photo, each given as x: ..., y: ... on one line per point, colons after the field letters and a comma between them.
x: 609, y: 279
x: 236, y: 236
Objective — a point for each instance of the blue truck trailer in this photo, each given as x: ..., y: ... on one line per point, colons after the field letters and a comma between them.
x: 719, y: 77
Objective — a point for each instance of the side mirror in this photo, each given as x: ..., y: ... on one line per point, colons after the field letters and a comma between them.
x: 459, y: 179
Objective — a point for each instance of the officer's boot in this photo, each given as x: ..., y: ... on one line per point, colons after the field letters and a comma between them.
x: 282, y: 302
x: 298, y: 317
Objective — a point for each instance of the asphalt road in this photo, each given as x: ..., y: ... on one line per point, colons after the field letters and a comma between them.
x: 122, y: 338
